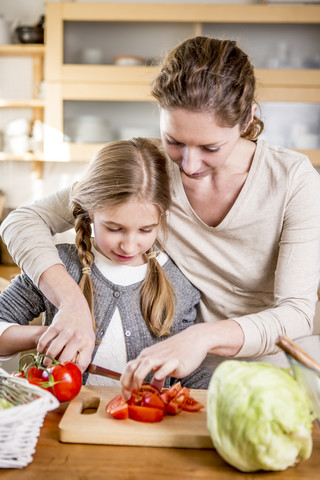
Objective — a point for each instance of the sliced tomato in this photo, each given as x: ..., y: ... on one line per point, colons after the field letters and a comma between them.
x: 147, y: 387
x: 118, y: 408
x: 177, y: 403
x: 153, y: 401
x: 145, y: 414
x: 171, y: 392
x: 136, y: 398
x: 192, y: 405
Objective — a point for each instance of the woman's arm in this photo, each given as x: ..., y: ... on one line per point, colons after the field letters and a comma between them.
x: 28, y: 232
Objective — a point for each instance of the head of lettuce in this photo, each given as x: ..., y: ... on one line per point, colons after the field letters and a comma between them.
x: 258, y: 416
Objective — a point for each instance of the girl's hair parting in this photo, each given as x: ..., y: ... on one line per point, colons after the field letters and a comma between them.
x: 204, y: 74
x: 121, y: 171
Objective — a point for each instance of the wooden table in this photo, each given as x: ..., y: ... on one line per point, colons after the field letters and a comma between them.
x: 54, y: 460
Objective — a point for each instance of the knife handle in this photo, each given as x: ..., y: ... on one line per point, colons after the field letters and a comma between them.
x: 104, y: 372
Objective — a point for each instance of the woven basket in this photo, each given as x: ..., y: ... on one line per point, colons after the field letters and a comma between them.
x: 20, y: 425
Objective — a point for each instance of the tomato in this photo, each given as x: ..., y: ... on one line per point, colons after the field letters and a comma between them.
x: 147, y: 387
x: 177, y: 403
x: 171, y: 392
x: 33, y: 372
x: 18, y: 373
x: 192, y: 405
x: 145, y: 414
x: 118, y: 408
x: 135, y: 398
x: 153, y: 401
x: 39, y: 382
x: 65, y: 379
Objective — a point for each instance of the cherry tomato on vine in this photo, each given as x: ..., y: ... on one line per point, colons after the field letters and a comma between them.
x: 66, y: 380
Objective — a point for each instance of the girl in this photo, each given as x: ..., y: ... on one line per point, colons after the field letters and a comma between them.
x: 244, y: 226
x: 135, y: 293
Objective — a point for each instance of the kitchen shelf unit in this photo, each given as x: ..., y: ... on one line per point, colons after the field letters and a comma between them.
x: 37, y: 53
x: 72, y: 81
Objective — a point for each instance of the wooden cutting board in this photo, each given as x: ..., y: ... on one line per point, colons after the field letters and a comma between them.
x: 86, y: 421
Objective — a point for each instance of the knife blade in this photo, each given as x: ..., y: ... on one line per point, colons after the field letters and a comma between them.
x: 104, y: 372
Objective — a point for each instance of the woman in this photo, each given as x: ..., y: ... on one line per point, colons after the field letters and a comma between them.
x: 244, y: 226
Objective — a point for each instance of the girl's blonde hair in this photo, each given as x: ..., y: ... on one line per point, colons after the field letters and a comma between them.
x: 119, y: 172
x: 208, y: 75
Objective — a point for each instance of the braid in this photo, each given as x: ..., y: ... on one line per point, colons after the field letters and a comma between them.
x: 86, y: 257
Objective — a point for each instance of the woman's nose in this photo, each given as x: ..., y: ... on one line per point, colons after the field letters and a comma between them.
x: 191, y: 161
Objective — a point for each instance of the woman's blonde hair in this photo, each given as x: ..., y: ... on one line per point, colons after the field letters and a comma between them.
x: 119, y: 172
x: 208, y: 75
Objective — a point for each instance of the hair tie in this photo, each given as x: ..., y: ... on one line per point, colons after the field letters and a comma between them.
x: 151, y: 255
x: 86, y: 271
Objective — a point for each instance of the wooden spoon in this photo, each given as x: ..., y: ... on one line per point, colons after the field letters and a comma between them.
x: 297, y: 353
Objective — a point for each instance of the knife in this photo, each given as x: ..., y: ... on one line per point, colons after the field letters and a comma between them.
x: 104, y: 372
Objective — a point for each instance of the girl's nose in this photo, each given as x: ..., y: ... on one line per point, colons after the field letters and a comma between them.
x: 128, y: 244
x: 191, y: 161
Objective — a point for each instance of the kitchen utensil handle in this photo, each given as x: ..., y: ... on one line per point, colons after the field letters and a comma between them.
x: 104, y: 372
x: 297, y: 353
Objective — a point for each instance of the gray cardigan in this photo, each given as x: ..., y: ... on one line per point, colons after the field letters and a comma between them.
x: 22, y: 301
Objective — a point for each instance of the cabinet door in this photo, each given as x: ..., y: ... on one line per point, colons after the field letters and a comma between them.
x: 78, y: 124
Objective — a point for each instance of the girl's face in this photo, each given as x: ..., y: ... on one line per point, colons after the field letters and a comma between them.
x: 124, y: 233
x: 195, y: 141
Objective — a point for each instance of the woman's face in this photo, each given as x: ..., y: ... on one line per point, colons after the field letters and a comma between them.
x: 124, y: 233
x: 196, y: 142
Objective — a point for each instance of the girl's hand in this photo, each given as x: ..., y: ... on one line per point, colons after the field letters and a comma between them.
x: 177, y: 356
x: 70, y: 337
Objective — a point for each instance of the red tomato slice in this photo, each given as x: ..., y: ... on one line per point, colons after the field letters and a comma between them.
x: 170, y: 393
x: 177, y: 403
x: 118, y: 408
x: 152, y: 401
x: 147, y: 387
x: 192, y: 405
x: 135, y: 398
x: 145, y: 414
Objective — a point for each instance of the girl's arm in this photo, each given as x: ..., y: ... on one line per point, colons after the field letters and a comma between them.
x: 28, y: 232
x: 181, y: 354
x: 17, y: 338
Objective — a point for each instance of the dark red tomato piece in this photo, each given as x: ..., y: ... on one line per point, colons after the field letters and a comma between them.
x: 192, y: 405
x: 177, y: 403
x: 135, y: 398
x: 67, y: 381
x: 145, y: 414
x: 169, y: 393
x: 152, y: 401
x: 118, y: 408
x: 147, y: 387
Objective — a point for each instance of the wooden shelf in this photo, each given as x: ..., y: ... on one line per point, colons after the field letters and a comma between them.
x: 22, y: 50
x: 23, y: 103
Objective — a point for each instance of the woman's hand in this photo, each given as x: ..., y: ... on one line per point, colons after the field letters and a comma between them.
x: 70, y: 337
x: 177, y: 356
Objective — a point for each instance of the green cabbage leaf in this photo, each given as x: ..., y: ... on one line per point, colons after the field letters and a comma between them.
x: 258, y: 416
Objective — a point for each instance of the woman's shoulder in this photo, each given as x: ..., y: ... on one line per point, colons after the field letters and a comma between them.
x: 277, y: 155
